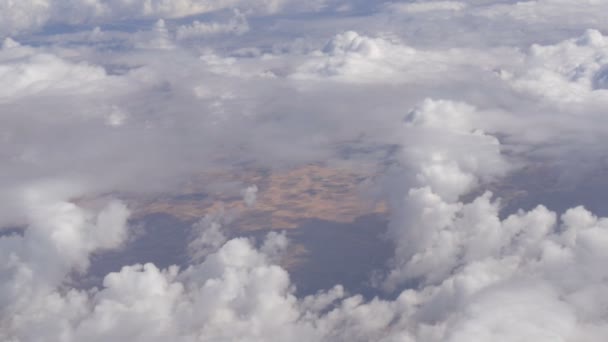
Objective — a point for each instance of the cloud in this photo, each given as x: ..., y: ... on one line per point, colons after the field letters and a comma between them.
x: 237, y: 25
x: 454, y: 120
x: 461, y: 259
x: 355, y: 58
x: 234, y: 294
x: 208, y: 235
x: 250, y: 194
x: 42, y: 73
x: 23, y: 15
x: 59, y: 240
x: 569, y: 71
x: 419, y: 7
x: 32, y: 15
x: 438, y: 133
x: 547, y: 12
x: 530, y: 269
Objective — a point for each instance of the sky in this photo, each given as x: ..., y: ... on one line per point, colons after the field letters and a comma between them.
x: 494, y: 113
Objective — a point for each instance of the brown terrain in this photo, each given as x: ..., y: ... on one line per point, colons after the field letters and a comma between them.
x: 334, y: 229
x: 284, y: 197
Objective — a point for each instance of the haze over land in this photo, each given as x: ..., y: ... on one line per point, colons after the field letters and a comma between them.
x: 281, y: 170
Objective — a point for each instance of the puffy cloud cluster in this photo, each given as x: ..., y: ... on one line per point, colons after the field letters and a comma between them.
x: 446, y: 151
x: 483, y: 278
x: 472, y: 276
x: 233, y: 294
x: 445, y: 159
x: 237, y: 25
x: 461, y: 273
x: 355, y: 58
x: 124, y: 111
x: 574, y: 70
x: 58, y: 241
x: 237, y: 293
x: 26, y: 73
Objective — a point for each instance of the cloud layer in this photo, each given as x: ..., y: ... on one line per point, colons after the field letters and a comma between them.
x: 34, y: 14
x: 458, y: 110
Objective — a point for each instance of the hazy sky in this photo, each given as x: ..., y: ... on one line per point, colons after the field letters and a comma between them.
x: 106, y: 99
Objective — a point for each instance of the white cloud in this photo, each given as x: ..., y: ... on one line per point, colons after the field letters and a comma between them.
x: 355, y: 58
x: 427, y: 6
x: 157, y: 38
x: 131, y: 111
x: 29, y: 15
x: 250, y: 195
x: 59, y: 239
x: 437, y: 135
x: 237, y: 25
x: 570, y: 71
x: 555, y: 13
x: 23, y: 15
x: 24, y: 74
x: 464, y: 260
x: 239, y: 293
x: 209, y: 236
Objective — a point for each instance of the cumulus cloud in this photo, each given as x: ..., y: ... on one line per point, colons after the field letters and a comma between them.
x: 528, y: 265
x: 59, y: 239
x: 208, y: 235
x: 42, y: 73
x: 356, y: 58
x: 25, y: 72
x: 462, y: 260
x: 237, y: 25
x: 438, y: 134
x: 446, y: 158
x: 23, y: 15
x: 571, y: 71
x: 466, y: 262
x: 450, y: 116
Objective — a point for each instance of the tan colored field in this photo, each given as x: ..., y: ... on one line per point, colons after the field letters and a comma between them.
x: 284, y: 197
